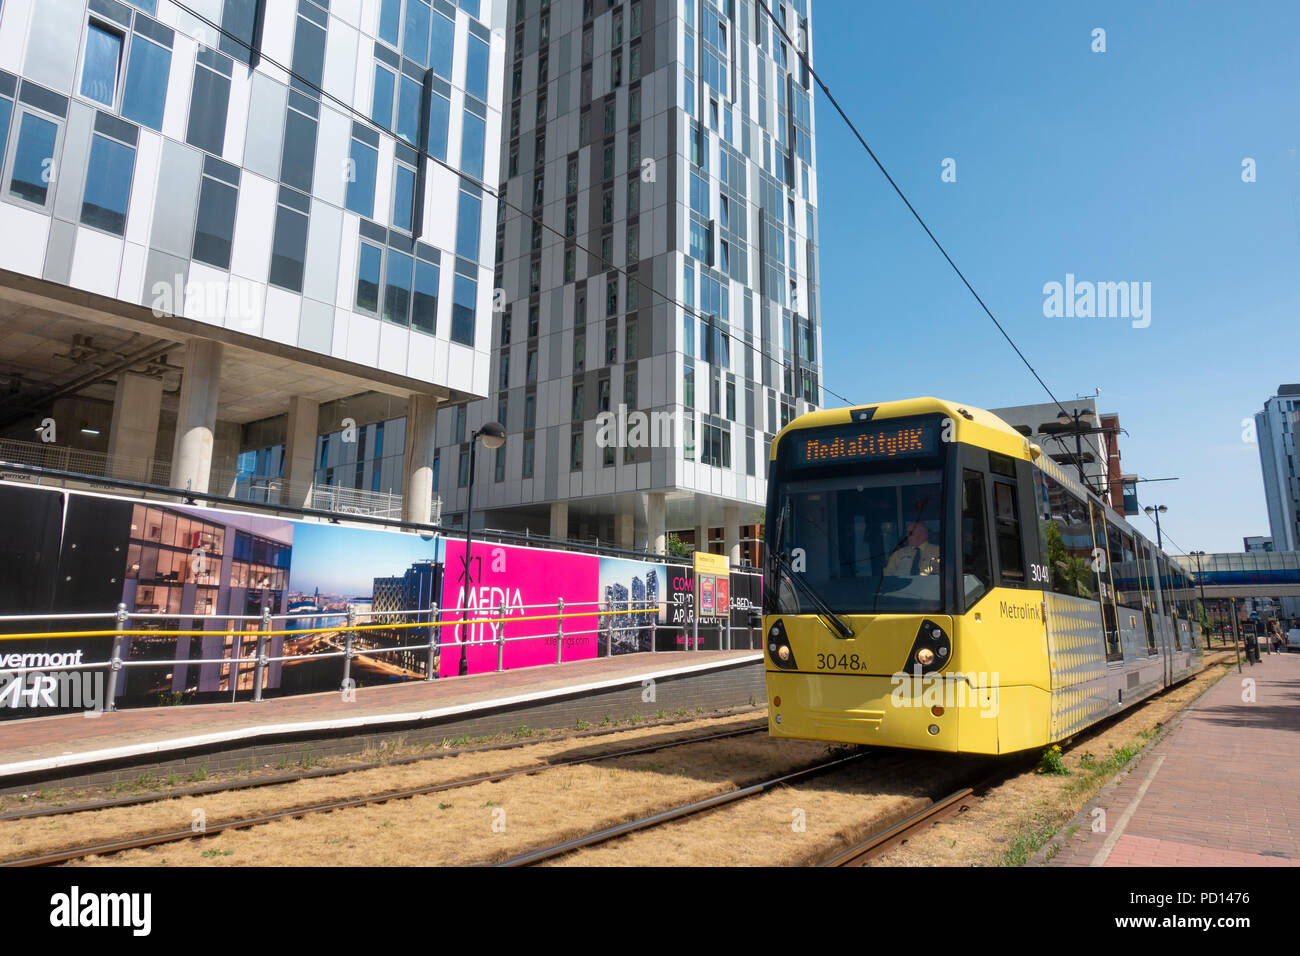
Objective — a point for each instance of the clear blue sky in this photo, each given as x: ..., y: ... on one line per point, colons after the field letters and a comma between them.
x: 1115, y: 166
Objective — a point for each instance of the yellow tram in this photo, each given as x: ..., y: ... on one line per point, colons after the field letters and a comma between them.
x: 934, y: 581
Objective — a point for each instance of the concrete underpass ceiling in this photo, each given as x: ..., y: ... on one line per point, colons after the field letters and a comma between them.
x: 48, y: 345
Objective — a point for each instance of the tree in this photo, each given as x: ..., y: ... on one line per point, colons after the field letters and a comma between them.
x: 678, y: 548
x: 1071, y: 574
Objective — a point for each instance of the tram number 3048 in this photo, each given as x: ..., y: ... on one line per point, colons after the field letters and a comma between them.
x: 844, y: 662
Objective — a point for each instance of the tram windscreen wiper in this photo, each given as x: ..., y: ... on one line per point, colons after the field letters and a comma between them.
x: 832, y: 620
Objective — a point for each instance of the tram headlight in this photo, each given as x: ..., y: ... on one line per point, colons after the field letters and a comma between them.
x: 783, y: 653
x: 925, y: 657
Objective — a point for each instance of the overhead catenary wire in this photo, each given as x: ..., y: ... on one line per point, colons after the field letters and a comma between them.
x: 497, y: 194
x: 803, y: 57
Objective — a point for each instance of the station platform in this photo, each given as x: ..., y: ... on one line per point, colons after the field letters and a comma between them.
x: 1218, y: 789
x: 101, y: 749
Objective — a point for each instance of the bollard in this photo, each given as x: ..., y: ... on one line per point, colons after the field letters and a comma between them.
x: 115, y: 662
x: 501, y: 638
x: 435, y: 638
x: 347, y: 645
x: 559, y: 630
x: 259, y: 669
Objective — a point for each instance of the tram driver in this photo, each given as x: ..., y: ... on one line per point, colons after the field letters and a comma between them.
x: 917, y: 557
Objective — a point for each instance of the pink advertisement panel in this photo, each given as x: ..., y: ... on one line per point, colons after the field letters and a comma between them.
x: 516, y: 578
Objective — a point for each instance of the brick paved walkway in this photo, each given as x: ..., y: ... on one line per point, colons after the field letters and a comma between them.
x: 1222, y: 788
x: 78, y: 738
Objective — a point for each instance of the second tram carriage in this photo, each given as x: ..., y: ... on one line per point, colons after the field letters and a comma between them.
x: 935, y: 582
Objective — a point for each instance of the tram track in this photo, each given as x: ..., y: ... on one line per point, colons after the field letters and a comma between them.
x: 162, y: 837
x: 254, y: 783
x: 676, y: 813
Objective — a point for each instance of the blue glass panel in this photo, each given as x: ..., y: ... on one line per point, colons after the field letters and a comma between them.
x: 99, y: 71
x: 361, y: 185
x: 368, y: 278
x: 415, y: 39
x: 439, y: 117
x: 390, y: 21
x: 425, y: 315
x: 464, y: 292
x: 34, y: 159
x: 471, y: 146
x: 408, y: 111
x: 444, y: 40
x: 467, y: 226
x: 108, y: 185
x: 397, y: 289
x: 476, y: 69
x: 381, y: 110
x: 146, y: 83
x: 403, y: 197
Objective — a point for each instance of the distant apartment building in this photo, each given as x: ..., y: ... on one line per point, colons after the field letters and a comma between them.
x: 1087, y: 448
x: 245, y: 245
x: 1275, y: 431
x: 657, y: 253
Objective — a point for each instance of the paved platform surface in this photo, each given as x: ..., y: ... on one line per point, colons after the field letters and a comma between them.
x: 1221, y: 788
x: 73, y: 740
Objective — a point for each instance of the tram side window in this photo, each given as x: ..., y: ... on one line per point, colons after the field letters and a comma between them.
x: 1069, y: 542
x: 976, y: 579
x: 1124, y: 573
x: 1149, y: 604
x: 1106, y: 585
x: 1011, y: 551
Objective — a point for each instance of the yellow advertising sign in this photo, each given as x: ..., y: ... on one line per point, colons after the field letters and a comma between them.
x: 706, y: 563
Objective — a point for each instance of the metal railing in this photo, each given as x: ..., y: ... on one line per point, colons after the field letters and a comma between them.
x: 95, y: 464
x: 496, y: 617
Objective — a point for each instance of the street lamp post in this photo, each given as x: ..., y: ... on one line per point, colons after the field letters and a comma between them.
x: 1157, y: 510
x: 494, y: 436
x: 1075, y: 421
x: 1200, y: 582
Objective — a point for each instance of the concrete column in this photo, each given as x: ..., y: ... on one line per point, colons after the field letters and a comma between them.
x: 133, y: 436
x: 560, y: 520
x: 300, y: 452
x: 656, y: 516
x: 731, y: 533
x: 417, y: 488
x: 701, y: 537
x: 625, y: 530
x: 196, y: 416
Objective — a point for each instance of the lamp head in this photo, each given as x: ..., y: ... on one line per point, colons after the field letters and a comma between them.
x: 492, y: 434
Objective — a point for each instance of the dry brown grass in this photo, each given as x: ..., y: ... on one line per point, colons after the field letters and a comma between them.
x: 20, y: 838
x: 493, y: 821
x: 1013, y: 819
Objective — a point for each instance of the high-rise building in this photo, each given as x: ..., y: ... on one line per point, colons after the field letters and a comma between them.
x: 226, y: 225
x: 1275, y: 430
x: 657, y: 253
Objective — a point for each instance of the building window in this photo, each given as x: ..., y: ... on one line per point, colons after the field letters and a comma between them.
x: 575, y: 451
x: 439, y: 117
x: 570, y: 265
x: 579, y: 350
x: 528, y: 457
x: 464, y: 292
x: 108, y: 184
x: 214, y: 228
x: 476, y: 68
x: 363, y: 167
x: 530, y: 377
x: 424, y: 303
x: 474, y: 133
x: 462, y: 476
x: 571, y: 180
x: 397, y: 289
x: 443, y: 46
x: 370, y: 262
x: 381, y: 100
x: 288, y: 248
x: 209, y: 108
x: 467, y: 226
x: 530, y: 411
x: 100, y: 64
x: 499, y: 472
x: 147, y: 73
x: 404, y: 197
x: 577, y: 402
